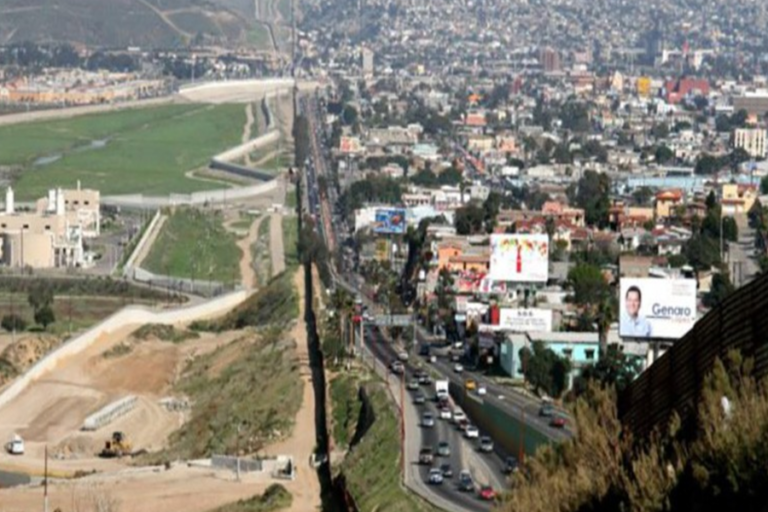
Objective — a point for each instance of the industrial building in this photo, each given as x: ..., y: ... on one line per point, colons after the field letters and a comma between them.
x: 52, y: 235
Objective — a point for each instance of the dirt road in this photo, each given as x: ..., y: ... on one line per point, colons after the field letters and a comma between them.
x: 306, y: 487
x: 247, y: 129
x: 276, y: 243
x: 246, y: 260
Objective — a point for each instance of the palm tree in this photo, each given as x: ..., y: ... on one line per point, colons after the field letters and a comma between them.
x: 604, y: 316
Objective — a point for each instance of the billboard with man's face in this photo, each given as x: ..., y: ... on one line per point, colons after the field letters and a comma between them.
x: 657, y: 308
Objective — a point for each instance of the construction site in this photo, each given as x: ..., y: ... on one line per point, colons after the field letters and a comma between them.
x: 109, y: 413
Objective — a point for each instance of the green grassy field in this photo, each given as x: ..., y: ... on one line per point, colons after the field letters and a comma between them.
x: 194, y: 244
x: 148, y: 150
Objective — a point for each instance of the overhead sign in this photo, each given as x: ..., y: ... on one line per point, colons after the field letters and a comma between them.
x: 392, y: 320
x: 520, y: 258
x: 390, y: 221
x: 526, y: 320
x: 657, y: 308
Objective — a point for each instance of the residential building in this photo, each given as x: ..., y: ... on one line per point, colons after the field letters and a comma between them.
x: 666, y: 202
x: 751, y: 140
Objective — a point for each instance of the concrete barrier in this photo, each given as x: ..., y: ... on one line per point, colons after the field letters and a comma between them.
x: 253, y: 144
x: 142, y: 242
x: 130, y: 315
x: 195, y: 199
x: 110, y: 412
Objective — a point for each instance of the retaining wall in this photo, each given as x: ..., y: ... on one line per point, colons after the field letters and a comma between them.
x: 142, y: 242
x: 266, y: 82
x: 243, y: 149
x: 504, y: 428
x: 182, y: 285
x: 195, y: 199
x: 110, y: 412
x: 130, y: 315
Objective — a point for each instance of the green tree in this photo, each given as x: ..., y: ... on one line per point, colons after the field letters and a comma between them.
x: 13, y: 322
x: 708, y: 164
x: 615, y: 369
x: 40, y: 295
x: 588, y: 284
x: 425, y: 178
x: 575, y: 117
x: 469, y: 219
x: 592, y: 193
x: 721, y: 288
x: 642, y: 196
x: 764, y: 185
x: 663, y: 154
x: 45, y: 316
x: 544, y: 369
x: 660, y: 131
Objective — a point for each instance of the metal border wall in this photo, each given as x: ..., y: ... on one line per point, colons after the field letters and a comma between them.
x: 674, y: 381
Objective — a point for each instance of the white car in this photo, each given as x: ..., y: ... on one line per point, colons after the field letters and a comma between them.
x: 15, y: 446
x: 471, y: 432
x: 481, y: 390
x: 435, y: 476
x: 458, y: 368
x: 445, y: 414
x: 427, y: 420
x: 458, y: 415
x: 403, y: 356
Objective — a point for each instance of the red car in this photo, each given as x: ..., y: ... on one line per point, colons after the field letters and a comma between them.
x: 557, y: 422
x: 487, y: 493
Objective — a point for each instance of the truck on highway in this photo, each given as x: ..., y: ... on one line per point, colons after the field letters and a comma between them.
x: 441, y: 389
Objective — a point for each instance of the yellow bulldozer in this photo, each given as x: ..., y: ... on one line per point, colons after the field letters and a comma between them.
x: 117, y: 446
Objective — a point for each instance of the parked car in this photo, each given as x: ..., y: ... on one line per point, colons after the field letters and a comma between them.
x: 462, y: 425
x: 419, y: 398
x: 470, y: 384
x: 486, y: 444
x: 435, y: 476
x: 547, y: 410
x: 443, y: 449
x: 481, y: 390
x: 445, y: 413
x: 458, y: 368
x: 511, y: 465
x: 458, y: 415
x: 427, y: 420
x: 465, y: 482
x: 557, y: 421
x: 397, y: 367
x: 426, y: 456
x: 471, y: 432
x: 413, y: 385
x: 403, y: 356
x: 487, y: 493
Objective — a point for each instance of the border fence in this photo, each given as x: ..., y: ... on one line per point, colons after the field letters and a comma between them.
x: 674, y: 381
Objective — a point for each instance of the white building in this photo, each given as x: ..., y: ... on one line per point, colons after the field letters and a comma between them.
x: 751, y: 140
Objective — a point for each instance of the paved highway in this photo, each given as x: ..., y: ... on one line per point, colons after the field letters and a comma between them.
x: 485, y: 468
x: 512, y: 402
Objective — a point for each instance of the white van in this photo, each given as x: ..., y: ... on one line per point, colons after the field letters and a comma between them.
x: 15, y: 446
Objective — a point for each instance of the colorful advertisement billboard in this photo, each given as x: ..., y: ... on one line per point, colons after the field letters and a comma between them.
x: 390, y: 221
x: 520, y: 258
x: 657, y: 308
x: 526, y: 320
x: 350, y: 145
